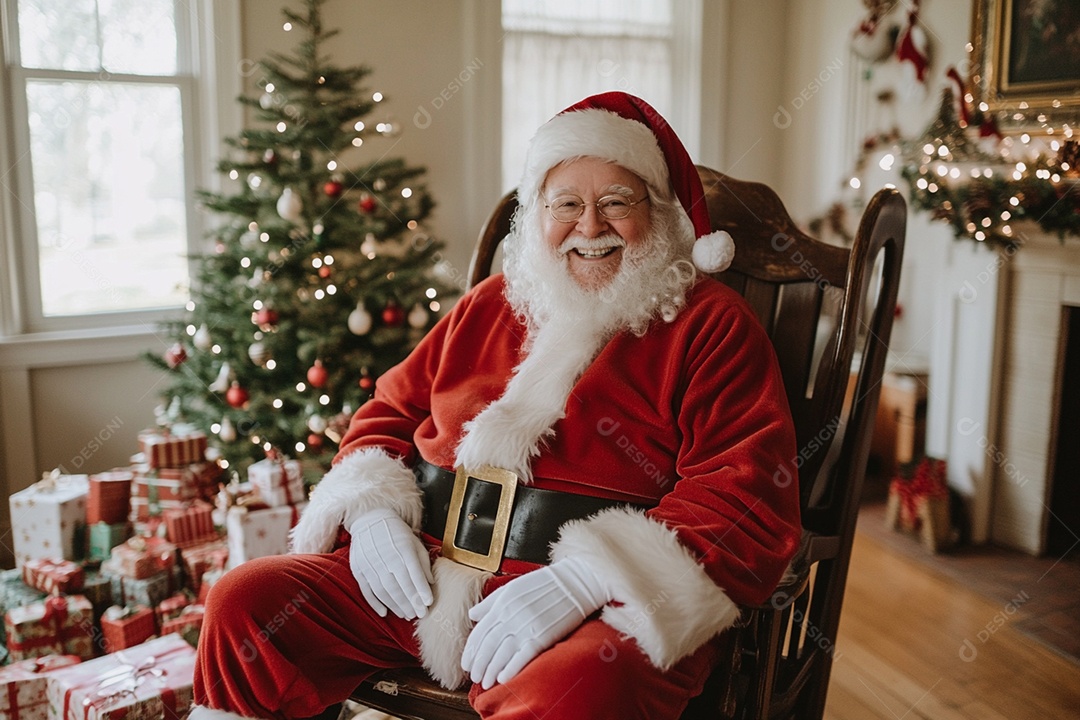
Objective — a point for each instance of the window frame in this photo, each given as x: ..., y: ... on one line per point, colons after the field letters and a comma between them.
x: 208, y: 78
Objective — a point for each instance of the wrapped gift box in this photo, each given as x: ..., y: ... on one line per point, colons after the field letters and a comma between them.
x: 108, y: 497
x: 208, y: 579
x: 155, y: 484
x: 200, y: 558
x: 188, y: 624
x: 104, y: 537
x: 15, y: 593
x: 53, y: 577
x: 142, y: 510
x: 258, y: 533
x: 97, y: 588
x: 59, y: 625
x: 141, y: 557
x: 164, y: 450
x: 149, y: 591
x: 152, y: 680
x: 47, y: 518
x: 279, y: 481
x: 26, y: 684
x: 124, y: 627
x: 171, y: 607
x: 190, y: 526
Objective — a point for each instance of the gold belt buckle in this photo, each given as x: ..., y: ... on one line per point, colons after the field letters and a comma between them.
x: 493, y: 558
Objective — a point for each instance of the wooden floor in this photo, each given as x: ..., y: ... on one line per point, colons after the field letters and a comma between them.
x: 915, y: 645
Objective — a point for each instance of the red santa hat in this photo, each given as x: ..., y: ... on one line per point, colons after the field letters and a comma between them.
x: 626, y: 130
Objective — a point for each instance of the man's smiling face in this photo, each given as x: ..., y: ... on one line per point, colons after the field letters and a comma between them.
x: 592, y: 247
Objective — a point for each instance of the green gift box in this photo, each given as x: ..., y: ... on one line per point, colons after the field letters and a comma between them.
x: 104, y: 537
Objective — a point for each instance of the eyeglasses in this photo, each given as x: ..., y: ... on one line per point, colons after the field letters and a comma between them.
x: 568, y: 208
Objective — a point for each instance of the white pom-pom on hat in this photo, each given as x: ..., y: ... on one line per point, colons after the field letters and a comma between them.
x: 714, y: 252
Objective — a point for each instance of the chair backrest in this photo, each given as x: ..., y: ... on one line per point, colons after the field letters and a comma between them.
x: 823, y: 306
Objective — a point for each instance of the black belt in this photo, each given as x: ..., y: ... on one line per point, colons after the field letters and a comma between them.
x: 533, y: 523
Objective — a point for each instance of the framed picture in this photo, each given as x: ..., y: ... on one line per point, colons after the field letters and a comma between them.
x: 1026, y: 59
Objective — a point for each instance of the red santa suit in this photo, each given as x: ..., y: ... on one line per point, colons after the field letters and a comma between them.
x: 691, y: 417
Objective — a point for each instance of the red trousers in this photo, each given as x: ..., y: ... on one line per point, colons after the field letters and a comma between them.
x: 288, y: 636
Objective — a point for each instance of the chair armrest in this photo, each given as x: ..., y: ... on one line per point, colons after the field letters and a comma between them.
x: 812, y: 548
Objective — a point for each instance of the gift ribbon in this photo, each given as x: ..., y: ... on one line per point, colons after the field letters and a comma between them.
x: 280, y: 460
x: 51, y: 576
x: 928, y: 482
x: 131, y: 676
x: 39, y: 665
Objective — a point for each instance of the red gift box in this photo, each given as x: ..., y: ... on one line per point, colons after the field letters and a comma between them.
x: 109, y: 497
x: 187, y: 624
x: 124, y: 627
x: 163, y: 450
x: 59, y: 625
x: 53, y: 576
x: 182, y: 483
x: 142, y: 510
x: 170, y: 608
x: 191, y: 525
x: 199, y: 559
x: 141, y: 557
x: 152, y: 680
x: 26, y: 682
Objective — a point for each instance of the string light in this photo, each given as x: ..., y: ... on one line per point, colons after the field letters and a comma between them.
x: 245, y: 262
x: 300, y: 387
x: 270, y: 87
x: 324, y: 399
x: 216, y: 349
x: 190, y: 306
x: 357, y: 142
x: 406, y: 192
x: 278, y: 404
x: 359, y: 125
x: 300, y: 447
x: 377, y: 96
x: 271, y: 364
x: 430, y: 292
x: 332, y: 165
x: 191, y: 330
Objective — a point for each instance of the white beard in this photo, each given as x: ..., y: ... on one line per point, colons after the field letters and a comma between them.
x: 568, y: 326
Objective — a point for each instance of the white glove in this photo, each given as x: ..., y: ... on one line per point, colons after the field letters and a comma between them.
x: 528, y: 615
x: 390, y: 564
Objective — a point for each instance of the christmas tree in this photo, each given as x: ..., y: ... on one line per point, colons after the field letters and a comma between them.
x: 321, y: 276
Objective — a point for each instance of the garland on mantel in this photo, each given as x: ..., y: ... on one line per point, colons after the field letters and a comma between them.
x: 965, y: 173
x: 983, y: 188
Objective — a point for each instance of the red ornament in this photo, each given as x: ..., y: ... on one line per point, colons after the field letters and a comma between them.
x: 368, y: 203
x: 393, y: 315
x: 236, y: 396
x: 265, y: 318
x: 367, y: 382
x: 333, y: 188
x: 314, y: 441
x: 317, y: 375
x: 175, y: 355
x: 324, y: 272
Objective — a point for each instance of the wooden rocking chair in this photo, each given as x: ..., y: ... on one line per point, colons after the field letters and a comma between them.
x: 829, y: 312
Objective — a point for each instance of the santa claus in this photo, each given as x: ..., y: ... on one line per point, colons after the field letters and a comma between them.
x: 565, y: 492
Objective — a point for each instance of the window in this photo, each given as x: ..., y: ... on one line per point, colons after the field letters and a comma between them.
x: 103, y: 133
x: 560, y: 51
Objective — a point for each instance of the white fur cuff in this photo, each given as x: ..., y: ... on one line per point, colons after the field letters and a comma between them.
x: 364, y: 480
x: 669, y: 605
x: 443, y: 631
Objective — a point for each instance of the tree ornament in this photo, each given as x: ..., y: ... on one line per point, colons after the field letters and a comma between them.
x: 202, y: 339
x: 266, y: 318
x: 368, y: 203
x: 175, y: 356
x: 317, y: 375
x: 270, y: 157
x: 315, y: 442
x: 289, y: 205
x: 393, y: 315
x: 221, y: 383
x: 249, y: 240
x: 227, y: 431
x: 236, y: 396
x: 369, y: 246
x: 418, y: 316
x: 333, y: 188
x: 367, y: 383
x: 317, y: 423
x: 266, y: 101
x: 360, y: 320
x: 258, y: 353
x: 324, y: 272
x: 379, y: 184
x: 257, y: 278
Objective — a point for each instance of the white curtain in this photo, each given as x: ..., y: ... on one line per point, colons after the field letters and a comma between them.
x: 559, y: 51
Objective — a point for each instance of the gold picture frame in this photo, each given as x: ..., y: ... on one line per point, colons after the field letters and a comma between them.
x: 1026, y: 60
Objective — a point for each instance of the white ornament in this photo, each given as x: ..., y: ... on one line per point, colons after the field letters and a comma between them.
x: 316, y: 423
x: 201, y: 339
x: 258, y: 353
x: 289, y: 205
x: 266, y: 101
x: 256, y: 278
x: 369, y: 246
x: 221, y: 382
x: 418, y: 316
x: 359, y: 321
x: 227, y: 432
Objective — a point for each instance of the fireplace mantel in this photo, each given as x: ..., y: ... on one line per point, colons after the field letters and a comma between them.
x: 993, y: 379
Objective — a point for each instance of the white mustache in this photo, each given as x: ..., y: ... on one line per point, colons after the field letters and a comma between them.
x: 601, y: 243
